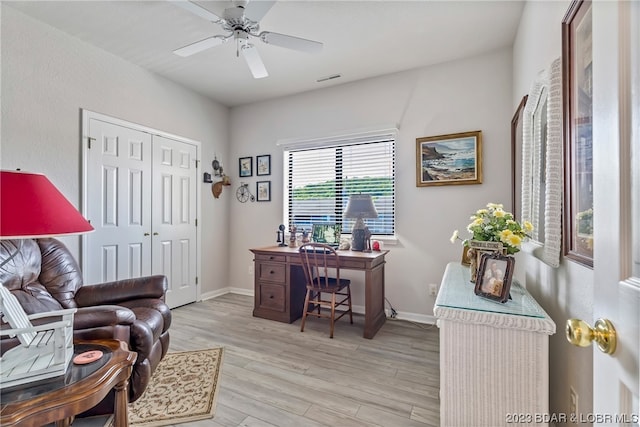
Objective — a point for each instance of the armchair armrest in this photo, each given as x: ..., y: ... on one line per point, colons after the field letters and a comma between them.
x: 55, y: 313
x: 101, y: 316
x: 122, y: 290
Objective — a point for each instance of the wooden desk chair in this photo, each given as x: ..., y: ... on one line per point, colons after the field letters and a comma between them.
x: 318, y: 260
x: 44, y: 351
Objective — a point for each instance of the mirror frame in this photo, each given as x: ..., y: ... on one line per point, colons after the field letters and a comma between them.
x: 516, y: 158
x: 578, y: 131
x: 551, y: 81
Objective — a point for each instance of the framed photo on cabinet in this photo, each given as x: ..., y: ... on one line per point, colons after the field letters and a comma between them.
x: 494, y: 276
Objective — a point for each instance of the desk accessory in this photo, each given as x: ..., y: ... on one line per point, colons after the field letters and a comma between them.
x: 292, y: 237
x: 326, y: 233
x: 45, y: 350
x: 280, y: 233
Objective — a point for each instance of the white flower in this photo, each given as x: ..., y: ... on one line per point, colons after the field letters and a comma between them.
x: 454, y: 237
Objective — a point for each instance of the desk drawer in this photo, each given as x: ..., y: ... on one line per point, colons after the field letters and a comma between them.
x: 272, y: 297
x: 274, y: 258
x: 272, y: 272
x: 352, y: 263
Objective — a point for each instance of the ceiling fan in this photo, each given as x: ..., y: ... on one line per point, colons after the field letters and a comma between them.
x: 241, y: 22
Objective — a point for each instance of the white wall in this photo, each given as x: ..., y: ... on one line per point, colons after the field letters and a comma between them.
x: 467, y: 95
x: 565, y: 292
x: 48, y: 77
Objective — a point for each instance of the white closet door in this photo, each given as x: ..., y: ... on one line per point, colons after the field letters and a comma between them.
x: 174, y: 217
x: 118, y: 180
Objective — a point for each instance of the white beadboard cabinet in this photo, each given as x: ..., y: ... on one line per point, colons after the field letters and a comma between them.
x: 494, y: 357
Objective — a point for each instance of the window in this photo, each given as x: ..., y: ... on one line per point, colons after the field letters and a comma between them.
x: 322, y: 174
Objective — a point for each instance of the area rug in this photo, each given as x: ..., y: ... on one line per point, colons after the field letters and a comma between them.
x: 183, y: 388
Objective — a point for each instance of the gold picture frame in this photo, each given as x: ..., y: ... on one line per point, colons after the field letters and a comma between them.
x: 453, y: 159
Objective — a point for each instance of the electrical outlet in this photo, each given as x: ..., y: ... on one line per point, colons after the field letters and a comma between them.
x: 433, y: 289
x: 250, y: 269
x: 573, y: 401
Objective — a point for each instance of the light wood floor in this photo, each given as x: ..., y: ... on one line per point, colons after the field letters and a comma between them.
x: 274, y: 375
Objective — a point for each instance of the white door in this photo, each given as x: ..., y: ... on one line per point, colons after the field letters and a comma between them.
x: 616, y: 160
x: 174, y: 217
x: 118, y: 188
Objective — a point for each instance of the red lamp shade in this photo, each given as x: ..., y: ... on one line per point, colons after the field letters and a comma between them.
x: 31, y: 206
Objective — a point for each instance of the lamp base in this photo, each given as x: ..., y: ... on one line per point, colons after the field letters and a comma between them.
x: 358, y: 239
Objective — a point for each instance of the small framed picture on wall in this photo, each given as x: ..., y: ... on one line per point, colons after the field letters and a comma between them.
x: 263, y: 189
x: 263, y: 165
x: 246, y: 166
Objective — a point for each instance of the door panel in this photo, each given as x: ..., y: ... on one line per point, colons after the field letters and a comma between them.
x: 141, y: 197
x: 118, y: 177
x: 174, y: 223
x: 616, y: 143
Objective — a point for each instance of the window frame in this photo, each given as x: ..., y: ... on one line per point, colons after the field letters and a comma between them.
x: 383, y: 135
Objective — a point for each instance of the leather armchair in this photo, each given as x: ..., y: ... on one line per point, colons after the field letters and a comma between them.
x: 44, y: 276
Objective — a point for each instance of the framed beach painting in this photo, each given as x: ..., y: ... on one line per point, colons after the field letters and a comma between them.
x: 449, y: 159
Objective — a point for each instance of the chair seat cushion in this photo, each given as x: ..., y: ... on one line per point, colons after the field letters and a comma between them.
x: 328, y: 285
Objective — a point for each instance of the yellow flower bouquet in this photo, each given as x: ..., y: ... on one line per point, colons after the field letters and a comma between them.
x: 494, y: 224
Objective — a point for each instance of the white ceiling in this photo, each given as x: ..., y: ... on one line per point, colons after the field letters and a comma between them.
x: 361, y: 39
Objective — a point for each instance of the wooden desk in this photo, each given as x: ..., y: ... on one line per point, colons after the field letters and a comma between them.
x: 280, y: 284
x: 81, y: 388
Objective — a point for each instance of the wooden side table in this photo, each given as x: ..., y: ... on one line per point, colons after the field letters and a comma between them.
x: 81, y: 388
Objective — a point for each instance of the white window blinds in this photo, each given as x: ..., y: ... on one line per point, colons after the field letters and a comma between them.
x: 321, y: 178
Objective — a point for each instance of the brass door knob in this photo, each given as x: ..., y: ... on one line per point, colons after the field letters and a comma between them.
x: 579, y: 333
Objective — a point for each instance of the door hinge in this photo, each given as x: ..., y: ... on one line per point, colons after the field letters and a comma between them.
x: 196, y: 222
x: 89, y: 139
x: 197, y: 164
x: 196, y: 280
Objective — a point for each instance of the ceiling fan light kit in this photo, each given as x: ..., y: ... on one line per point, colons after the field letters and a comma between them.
x: 242, y: 22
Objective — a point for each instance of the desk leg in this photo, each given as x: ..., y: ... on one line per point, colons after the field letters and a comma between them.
x: 120, y: 409
x: 374, y: 316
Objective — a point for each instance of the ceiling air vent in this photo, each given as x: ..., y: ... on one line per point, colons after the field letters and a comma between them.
x: 331, y: 77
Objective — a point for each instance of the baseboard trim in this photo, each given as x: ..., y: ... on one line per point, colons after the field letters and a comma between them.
x: 359, y: 309
x: 224, y: 291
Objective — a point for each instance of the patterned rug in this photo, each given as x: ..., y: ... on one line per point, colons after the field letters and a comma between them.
x: 183, y: 388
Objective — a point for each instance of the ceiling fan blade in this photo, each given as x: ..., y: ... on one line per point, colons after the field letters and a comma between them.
x: 196, y: 47
x: 197, y: 10
x: 291, y: 42
x: 256, y: 9
x: 254, y: 61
